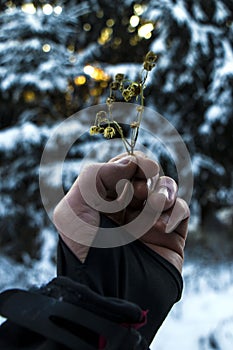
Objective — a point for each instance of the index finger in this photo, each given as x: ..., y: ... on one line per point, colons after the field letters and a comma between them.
x: 147, y: 168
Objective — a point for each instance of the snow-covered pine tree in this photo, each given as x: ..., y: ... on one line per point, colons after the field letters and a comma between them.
x: 193, y: 88
x: 44, y: 51
x: 36, y: 67
x: 38, y: 61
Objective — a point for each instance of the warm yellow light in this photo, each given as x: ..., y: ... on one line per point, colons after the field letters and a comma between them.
x: 133, y: 41
x: 145, y: 29
x: 80, y: 80
x: 87, y: 27
x: 106, y: 34
x: 96, y: 73
x: 134, y: 21
x: 100, y: 14
x: 46, y: 47
x: 148, y: 36
x: 131, y: 29
x: 104, y: 84
x: 117, y: 41
x: 95, y: 92
x: 70, y: 48
x: 72, y: 59
x: 139, y: 9
x: 10, y: 4
x: 57, y: 10
x: 110, y: 22
x: 47, y: 9
x: 28, y: 8
x: 101, y: 41
x: 89, y: 70
x: 29, y: 96
x: 99, y: 74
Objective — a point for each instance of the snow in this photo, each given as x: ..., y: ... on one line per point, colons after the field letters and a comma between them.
x: 213, y: 113
x: 222, y: 71
x: 34, y: 22
x: 27, y: 132
x: 16, y: 275
x: 200, y: 160
x: 221, y: 13
x: 130, y: 70
x: 207, y: 302
x: 180, y: 13
x: 198, y: 13
x: 205, y: 310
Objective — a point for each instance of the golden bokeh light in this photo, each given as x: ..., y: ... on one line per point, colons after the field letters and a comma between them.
x: 72, y: 59
x: 148, y: 35
x: 139, y: 9
x: 105, y: 36
x: 87, y: 27
x: 95, y: 92
x: 96, y: 73
x: 70, y: 48
x: 29, y: 96
x: 47, y: 9
x: 57, y: 10
x: 134, y: 21
x: 110, y: 22
x: 100, y: 14
x: 80, y: 80
x: 46, y: 47
x: 145, y: 29
x: 29, y: 8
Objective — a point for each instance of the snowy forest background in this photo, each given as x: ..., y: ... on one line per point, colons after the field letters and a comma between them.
x: 57, y: 58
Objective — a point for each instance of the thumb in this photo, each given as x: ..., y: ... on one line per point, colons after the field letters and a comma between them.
x: 111, y: 173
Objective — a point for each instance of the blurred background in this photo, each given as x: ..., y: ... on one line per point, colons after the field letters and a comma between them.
x: 57, y: 58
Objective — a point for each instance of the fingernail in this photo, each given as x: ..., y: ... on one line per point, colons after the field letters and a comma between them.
x: 170, y: 228
x: 165, y: 218
x: 164, y: 191
x: 124, y: 160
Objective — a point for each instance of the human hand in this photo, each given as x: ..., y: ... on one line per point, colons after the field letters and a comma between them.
x: 168, y: 231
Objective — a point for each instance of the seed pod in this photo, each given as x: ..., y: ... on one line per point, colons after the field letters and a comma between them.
x: 101, y: 116
x: 135, y: 89
x: 127, y: 95
x: 109, y: 132
x: 151, y: 57
x: 134, y: 125
x: 110, y: 100
x: 119, y: 77
x: 115, y: 85
x: 94, y: 130
x: 148, y: 65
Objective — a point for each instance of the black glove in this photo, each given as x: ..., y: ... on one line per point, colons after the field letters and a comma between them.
x: 68, y: 315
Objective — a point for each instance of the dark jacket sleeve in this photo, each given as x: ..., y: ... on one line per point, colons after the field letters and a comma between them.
x: 131, y: 272
x: 125, y: 281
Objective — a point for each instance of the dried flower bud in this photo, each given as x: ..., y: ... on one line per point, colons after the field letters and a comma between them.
x: 127, y: 95
x: 115, y: 85
x: 135, y: 89
x: 109, y: 132
x: 151, y: 57
x: 101, y: 130
x: 150, y: 60
x: 119, y: 77
x: 94, y: 130
x: 148, y: 66
x: 110, y: 100
x: 101, y: 116
x: 134, y: 125
x: 140, y: 108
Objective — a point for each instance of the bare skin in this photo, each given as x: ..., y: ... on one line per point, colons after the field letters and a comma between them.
x: 167, y: 234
